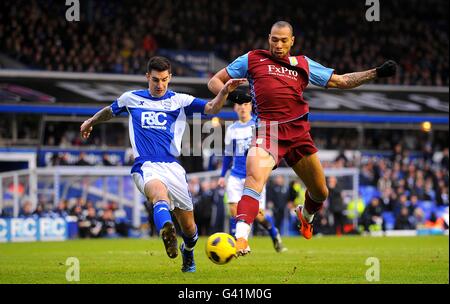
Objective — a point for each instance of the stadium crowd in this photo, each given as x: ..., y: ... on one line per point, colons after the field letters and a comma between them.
x: 108, y: 40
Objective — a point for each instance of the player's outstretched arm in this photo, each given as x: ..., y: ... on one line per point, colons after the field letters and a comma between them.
x: 216, y: 104
x: 353, y: 80
x: 104, y: 114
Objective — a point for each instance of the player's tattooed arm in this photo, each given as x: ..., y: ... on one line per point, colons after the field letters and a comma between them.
x: 104, y: 114
x: 215, y: 105
x: 351, y: 80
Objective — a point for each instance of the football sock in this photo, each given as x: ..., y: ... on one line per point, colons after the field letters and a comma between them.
x: 232, y: 225
x: 161, y: 214
x: 190, y: 241
x: 311, y: 207
x: 267, y: 223
x: 242, y: 230
x: 248, y: 206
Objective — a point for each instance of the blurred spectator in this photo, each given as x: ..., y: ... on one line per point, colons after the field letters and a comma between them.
x: 336, y: 205
x: 61, y: 210
x: 203, y: 208
x: 218, y: 207
x: 404, y: 220
x: 372, y: 215
x: 277, y: 197
x: 108, y: 224
x: 82, y: 160
x: 106, y: 161
x: 26, y: 210
x: 89, y: 225
x: 322, y: 224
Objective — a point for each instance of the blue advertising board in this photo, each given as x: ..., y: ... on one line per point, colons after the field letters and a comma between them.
x: 32, y: 229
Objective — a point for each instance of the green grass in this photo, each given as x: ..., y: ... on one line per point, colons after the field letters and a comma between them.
x: 423, y: 259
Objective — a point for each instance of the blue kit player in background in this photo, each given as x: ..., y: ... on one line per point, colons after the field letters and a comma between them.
x: 238, y: 138
x: 157, y: 119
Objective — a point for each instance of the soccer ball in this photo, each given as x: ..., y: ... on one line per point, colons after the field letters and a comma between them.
x: 221, y: 248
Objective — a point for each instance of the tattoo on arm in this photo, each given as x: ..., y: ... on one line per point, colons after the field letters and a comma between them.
x: 104, y: 114
x: 353, y: 80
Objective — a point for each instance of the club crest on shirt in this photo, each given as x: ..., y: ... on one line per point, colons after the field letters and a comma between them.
x: 167, y: 104
x: 293, y: 61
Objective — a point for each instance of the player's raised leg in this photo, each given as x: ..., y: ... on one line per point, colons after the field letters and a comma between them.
x: 259, y: 166
x: 157, y: 193
x: 190, y: 236
x: 310, y: 170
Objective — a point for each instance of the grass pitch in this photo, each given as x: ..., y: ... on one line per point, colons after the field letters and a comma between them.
x: 339, y: 260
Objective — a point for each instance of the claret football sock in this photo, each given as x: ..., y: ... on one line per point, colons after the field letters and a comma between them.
x: 161, y: 214
x: 311, y: 207
x: 248, y: 206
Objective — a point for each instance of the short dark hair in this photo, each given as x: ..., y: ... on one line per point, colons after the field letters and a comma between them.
x: 283, y: 24
x: 160, y: 64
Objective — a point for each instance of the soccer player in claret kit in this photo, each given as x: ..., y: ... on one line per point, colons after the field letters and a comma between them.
x: 277, y: 80
x: 157, y: 119
x: 238, y: 137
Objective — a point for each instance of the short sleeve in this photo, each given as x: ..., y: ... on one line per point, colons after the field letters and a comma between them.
x: 120, y: 105
x: 196, y: 105
x: 318, y: 74
x: 239, y: 67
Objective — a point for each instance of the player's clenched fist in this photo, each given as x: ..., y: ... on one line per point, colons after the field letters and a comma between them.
x: 387, y: 69
x: 86, y: 129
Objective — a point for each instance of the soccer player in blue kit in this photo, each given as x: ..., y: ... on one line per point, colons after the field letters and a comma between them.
x: 157, y: 119
x: 238, y: 138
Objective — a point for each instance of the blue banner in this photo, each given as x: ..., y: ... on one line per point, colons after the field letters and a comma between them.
x: 31, y: 229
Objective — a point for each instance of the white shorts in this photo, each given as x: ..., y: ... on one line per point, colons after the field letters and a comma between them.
x: 172, y: 175
x: 235, y: 187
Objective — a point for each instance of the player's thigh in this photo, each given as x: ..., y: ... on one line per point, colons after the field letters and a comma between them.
x: 178, y: 187
x: 310, y: 171
x: 186, y: 220
x: 259, y: 166
x: 154, y: 189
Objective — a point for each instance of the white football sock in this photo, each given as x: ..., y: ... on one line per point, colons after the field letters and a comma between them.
x: 242, y: 230
x: 308, y: 217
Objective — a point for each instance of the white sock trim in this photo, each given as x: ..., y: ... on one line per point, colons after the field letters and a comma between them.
x: 308, y: 217
x: 242, y: 230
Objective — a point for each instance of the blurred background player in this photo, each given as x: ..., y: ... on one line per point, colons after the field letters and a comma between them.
x: 156, y: 144
x: 277, y: 81
x: 238, y: 137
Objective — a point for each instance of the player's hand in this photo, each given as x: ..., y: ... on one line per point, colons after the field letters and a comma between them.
x: 387, y: 69
x: 236, y: 95
x: 86, y: 129
x: 221, y: 182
